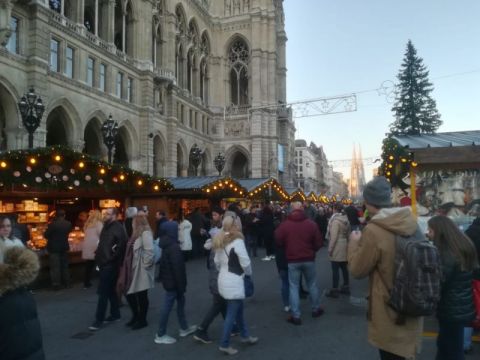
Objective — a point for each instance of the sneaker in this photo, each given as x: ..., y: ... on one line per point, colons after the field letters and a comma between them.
x: 345, y: 290
x: 187, y: 331
x: 95, y: 326
x: 202, y: 336
x: 112, y: 319
x: 228, y: 350
x: 293, y: 320
x: 267, y: 258
x: 286, y: 309
x: 250, y: 340
x: 317, y: 313
x: 272, y: 257
x: 165, y: 339
x: 333, y: 293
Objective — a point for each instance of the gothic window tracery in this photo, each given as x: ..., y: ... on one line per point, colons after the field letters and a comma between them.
x: 238, y: 58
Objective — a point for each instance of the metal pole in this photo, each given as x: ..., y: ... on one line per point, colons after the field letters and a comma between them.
x: 413, y: 190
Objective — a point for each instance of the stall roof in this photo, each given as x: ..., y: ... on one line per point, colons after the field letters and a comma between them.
x: 251, y: 184
x: 192, y: 182
x: 440, y: 140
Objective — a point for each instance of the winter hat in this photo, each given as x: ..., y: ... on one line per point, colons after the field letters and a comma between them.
x: 378, y: 192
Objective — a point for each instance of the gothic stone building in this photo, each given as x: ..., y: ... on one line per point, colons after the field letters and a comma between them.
x: 172, y: 73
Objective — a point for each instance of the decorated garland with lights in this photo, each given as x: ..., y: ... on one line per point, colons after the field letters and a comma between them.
x: 61, y: 168
x: 396, y: 162
x: 221, y: 186
x: 263, y: 190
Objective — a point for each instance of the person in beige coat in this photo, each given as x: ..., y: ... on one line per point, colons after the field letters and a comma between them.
x: 337, y: 251
x: 137, y: 273
x: 373, y: 254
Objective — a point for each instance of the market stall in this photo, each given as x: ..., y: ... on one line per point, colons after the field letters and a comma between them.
x: 264, y: 189
x: 36, y: 182
x: 437, y: 173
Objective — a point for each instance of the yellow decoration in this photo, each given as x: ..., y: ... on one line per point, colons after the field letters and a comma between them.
x: 122, y: 177
x: 414, y: 164
x: 102, y: 171
x: 33, y: 161
x: 81, y: 164
x: 3, y: 164
x: 58, y: 158
x: 140, y: 182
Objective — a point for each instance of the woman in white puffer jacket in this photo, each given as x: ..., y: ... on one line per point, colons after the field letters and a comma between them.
x: 184, y: 236
x: 229, y: 243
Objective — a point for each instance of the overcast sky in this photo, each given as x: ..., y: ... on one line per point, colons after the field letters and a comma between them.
x: 349, y: 46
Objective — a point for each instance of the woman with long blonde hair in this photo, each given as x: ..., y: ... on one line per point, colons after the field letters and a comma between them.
x: 455, y: 309
x: 231, y: 258
x: 137, y: 274
x: 92, y: 229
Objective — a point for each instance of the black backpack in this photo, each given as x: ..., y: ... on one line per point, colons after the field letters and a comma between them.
x: 417, y: 277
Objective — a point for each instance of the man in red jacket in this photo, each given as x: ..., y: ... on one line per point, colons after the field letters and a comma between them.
x: 300, y: 239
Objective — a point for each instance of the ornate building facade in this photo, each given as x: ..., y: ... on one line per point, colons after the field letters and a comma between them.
x: 357, y: 174
x: 173, y: 73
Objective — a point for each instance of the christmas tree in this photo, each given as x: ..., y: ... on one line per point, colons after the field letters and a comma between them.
x: 415, y: 110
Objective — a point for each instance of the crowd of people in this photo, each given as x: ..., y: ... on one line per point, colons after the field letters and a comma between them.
x: 130, y: 256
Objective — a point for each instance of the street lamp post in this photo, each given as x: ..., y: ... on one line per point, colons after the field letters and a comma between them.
x: 31, y: 109
x: 195, y: 157
x: 219, y: 163
x: 109, y: 132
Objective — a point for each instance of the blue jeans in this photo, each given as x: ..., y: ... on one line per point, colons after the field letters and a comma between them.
x: 234, y: 315
x: 467, y: 337
x: 450, y: 341
x: 170, y: 297
x: 106, y: 292
x: 307, y: 269
x: 285, y: 287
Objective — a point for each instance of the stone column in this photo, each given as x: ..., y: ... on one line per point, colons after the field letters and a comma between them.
x: 97, y: 9
x: 80, y: 12
x: 110, y: 20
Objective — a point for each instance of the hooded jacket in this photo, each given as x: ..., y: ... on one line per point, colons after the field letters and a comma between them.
x: 20, y: 333
x: 172, y: 265
x: 337, y: 245
x: 299, y: 236
x: 374, y: 256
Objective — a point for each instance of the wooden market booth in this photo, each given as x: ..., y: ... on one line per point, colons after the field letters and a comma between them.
x: 448, y: 165
x: 36, y: 182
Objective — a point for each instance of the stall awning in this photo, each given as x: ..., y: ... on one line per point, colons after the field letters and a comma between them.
x: 264, y: 188
x: 450, y: 149
x: 210, y: 186
x: 440, y: 140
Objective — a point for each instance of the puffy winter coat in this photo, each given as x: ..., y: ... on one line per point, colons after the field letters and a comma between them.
x: 172, y: 265
x: 456, y: 301
x: 20, y: 333
x: 337, y: 245
x: 184, y: 237
x: 473, y: 232
x: 230, y: 285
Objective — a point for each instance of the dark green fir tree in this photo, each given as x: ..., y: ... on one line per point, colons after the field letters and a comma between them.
x: 415, y: 110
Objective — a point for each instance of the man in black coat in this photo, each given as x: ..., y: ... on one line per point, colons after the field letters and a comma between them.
x: 20, y: 332
x: 57, y: 246
x: 174, y: 280
x: 109, y: 258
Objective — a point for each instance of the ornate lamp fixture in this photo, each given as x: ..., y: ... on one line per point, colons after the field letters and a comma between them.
x: 31, y: 109
x: 195, y: 157
x: 109, y: 132
x: 219, y: 162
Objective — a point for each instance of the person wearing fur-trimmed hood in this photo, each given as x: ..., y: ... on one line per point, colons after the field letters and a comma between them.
x: 19, y: 328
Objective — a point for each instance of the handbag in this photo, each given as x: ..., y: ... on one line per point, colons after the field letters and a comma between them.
x: 235, y: 268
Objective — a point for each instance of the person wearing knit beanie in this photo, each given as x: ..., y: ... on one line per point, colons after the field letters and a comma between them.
x: 378, y: 192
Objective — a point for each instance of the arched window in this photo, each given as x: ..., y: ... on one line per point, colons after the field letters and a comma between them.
x: 238, y: 58
x: 157, y: 45
x: 204, y: 81
x: 118, y: 38
x: 190, y: 67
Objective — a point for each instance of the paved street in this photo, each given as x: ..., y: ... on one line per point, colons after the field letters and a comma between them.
x: 339, y: 334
